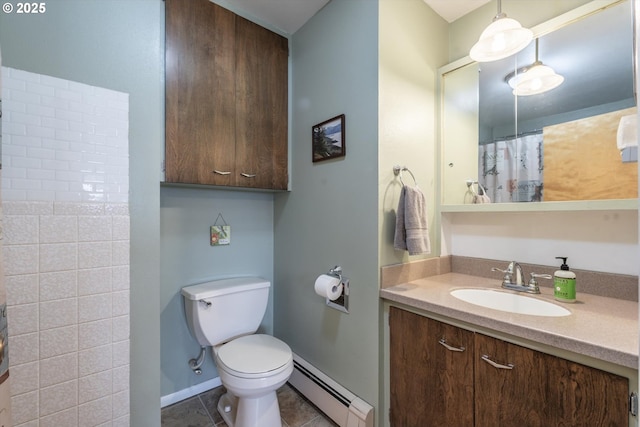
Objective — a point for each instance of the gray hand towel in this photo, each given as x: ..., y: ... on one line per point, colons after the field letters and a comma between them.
x: 412, y: 232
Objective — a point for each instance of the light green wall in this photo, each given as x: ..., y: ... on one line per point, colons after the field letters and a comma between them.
x: 118, y: 45
x: 413, y: 45
x: 331, y: 215
x: 465, y: 31
x: 187, y: 258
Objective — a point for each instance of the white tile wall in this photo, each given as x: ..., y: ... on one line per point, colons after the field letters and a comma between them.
x: 63, y: 141
x: 66, y: 250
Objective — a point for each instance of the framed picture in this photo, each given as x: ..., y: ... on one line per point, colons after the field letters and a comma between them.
x: 328, y: 139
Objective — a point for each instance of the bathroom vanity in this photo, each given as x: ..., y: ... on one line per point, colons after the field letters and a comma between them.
x: 452, y: 362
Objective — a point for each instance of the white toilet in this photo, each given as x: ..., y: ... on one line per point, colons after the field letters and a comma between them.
x: 225, y: 314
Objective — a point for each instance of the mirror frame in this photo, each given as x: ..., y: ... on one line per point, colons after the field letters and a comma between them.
x: 538, y: 31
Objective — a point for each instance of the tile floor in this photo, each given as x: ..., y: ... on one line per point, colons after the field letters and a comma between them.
x: 200, y: 411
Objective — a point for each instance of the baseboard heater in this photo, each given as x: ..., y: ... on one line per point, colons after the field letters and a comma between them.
x: 338, y: 403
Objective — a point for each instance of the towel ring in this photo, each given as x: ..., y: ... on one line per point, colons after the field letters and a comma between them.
x: 397, y: 171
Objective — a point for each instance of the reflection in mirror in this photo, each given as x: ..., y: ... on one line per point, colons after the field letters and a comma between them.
x: 564, y: 144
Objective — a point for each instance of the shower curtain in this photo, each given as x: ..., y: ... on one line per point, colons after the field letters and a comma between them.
x: 511, y: 170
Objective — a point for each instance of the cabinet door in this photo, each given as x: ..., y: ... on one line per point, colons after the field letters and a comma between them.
x: 430, y: 385
x: 200, y: 93
x: 527, y: 388
x: 261, y: 107
x: 584, y: 396
x: 513, y: 392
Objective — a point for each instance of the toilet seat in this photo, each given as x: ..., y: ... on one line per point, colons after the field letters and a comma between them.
x: 254, y: 356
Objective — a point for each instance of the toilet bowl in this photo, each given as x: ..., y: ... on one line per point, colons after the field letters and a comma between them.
x: 225, y: 314
x: 252, y: 368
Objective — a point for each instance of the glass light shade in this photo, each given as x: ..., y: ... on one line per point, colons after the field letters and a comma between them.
x: 537, y: 79
x: 503, y: 37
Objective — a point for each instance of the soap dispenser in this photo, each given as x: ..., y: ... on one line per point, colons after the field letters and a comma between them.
x: 564, y: 283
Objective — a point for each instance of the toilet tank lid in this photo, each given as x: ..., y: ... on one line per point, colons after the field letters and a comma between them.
x: 223, y: 287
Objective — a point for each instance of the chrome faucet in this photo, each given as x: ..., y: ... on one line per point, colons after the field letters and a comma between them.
x: 514, y: 279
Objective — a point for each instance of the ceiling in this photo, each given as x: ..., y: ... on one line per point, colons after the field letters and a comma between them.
x: 451, y: 10
x: 289, y: 15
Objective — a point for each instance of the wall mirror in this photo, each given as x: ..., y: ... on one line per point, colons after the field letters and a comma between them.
x: 570, y: 144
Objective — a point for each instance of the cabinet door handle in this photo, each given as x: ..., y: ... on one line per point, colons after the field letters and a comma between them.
x: 248, y: 175
x: 496, y: 365
x: 220, y: 172
x: 443, y: 342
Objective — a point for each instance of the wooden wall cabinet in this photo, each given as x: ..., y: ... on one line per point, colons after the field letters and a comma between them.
x: 226, y: 99
x: 477, y: 380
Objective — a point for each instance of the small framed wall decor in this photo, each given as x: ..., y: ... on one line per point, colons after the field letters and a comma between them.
x: 328, y: 139
x: 220, y: 234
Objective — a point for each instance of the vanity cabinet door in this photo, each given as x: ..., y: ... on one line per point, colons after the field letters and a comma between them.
x: 431, y: 384
x: 511, y: 385
x: 584, y: 396
x: 519, y: 387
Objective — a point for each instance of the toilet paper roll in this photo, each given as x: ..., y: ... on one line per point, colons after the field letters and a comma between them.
x: 328, y: 287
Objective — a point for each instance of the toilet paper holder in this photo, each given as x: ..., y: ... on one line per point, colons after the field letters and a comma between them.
x: 342, y: 302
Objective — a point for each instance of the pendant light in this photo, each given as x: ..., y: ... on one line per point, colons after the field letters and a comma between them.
x: 534, y: 79
x: 502, y: 38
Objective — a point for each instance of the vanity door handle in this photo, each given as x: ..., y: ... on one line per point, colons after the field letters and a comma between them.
x: 220, y: 172
x: 443, y: 342
x: 495, y: 364
x: 248, y: 175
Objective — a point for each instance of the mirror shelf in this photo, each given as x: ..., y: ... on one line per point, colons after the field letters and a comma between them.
x: 580, y: 205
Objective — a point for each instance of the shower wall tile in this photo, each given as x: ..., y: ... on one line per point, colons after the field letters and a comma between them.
x: 66, y: 254
x: 74, y: 141
x: 23, y: 348
x: 58, y: 285
x: 94, y: 307
x: 20, y: 259
x: 24, y: 318
x: 94, y: 334
x: 121, y: 421
x: 17, y: 208
x: 59, y: 369
x: 67, y: 418
x: 96, y: 386
x: 24, y: 407
x: 22, y: 289
x: 58, y: 397
x: 25, y: 378
x: 21, y: 230
x: 96, y: 412
x: 58, y: 313
x: 121, y: 378
x: 120, y: 303
x: 94, y: 228
x: 54, y: 342
x: 120, y: 328
x: 94, y: 254
x: 58, y: 257
x: 95, y: 360
x: 120, y: 277
x: 120, y: 252
x: 58, y: 229
x: 95, y: 281
x: 120, y: 353
x: 120, y: 403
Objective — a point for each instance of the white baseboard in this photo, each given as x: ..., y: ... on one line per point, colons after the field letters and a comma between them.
x: 186, y: 393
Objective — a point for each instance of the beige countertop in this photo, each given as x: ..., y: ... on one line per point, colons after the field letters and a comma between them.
x: 598, y: 327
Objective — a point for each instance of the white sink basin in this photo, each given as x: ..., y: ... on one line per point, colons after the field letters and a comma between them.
x: 512, y: 303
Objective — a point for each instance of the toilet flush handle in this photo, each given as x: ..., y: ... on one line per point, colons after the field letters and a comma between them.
x: 206, y: 303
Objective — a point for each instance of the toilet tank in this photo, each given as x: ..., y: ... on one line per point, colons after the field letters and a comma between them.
x: 221, y: 310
